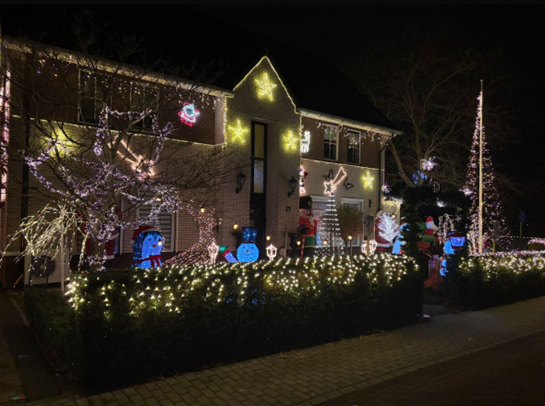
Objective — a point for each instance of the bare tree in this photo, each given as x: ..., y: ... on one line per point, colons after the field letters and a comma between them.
x: 428, y: 87
x: 98, y: 133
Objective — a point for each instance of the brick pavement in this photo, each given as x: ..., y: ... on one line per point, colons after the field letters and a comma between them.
x: 314, y: 375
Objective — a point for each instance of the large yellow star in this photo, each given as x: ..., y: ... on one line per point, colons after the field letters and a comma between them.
x: 238, y: 132
x: 265, y: 87
x: 367, y: 181
x: 290, y: 141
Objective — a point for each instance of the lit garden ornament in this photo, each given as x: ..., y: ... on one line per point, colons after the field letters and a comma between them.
x: 147, y: 246
x: 271, y: 252
x: 302, y: 177
x: 248, y: 251
x: 265, y: 87
x: 369, y: 247
x: 188, y: 114
x: 367, y: 180
x: 238, y: 133
x: 331, y: 182
x: 213, y: 250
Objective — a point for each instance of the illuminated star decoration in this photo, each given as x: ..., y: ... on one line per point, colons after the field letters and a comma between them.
x: 367, y: 181
x: 332, y: 183
x: 238, y: 132
x: 290, y: 141
x: 265, y: 87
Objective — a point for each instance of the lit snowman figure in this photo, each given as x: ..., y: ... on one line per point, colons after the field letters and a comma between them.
x: 147, y: 246
x: 248, y: 251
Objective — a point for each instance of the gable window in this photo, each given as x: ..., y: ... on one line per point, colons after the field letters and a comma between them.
x: 165, y: 224
x: 93, y: 96
x: 330, y: 143
x: 354, y: 145
x: 144, y: 97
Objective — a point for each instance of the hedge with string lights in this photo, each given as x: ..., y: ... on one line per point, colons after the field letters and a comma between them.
x: 133, y: 325
x: 480, y: 281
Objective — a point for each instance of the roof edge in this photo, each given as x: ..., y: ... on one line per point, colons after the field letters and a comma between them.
x: 17, y: 44
x: 350, y: 123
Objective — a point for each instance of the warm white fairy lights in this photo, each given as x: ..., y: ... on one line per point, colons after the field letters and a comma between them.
x: 167, y: 288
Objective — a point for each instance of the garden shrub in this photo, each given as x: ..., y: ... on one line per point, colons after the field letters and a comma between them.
x: 127, y: 326
x: 480, y: 282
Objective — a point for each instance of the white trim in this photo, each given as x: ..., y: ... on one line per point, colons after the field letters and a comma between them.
x: 349, y: 123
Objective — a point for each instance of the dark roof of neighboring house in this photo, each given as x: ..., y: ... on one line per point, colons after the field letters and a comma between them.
x: 182, y: 35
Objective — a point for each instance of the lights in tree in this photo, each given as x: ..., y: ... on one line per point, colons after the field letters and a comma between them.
x: 188, y: 114
x: 265, y: 87
x: 238, y: 133
x: 492, y: 208
x: 331, y: 182
x: 367, y: 181
x: 427, y: 164
x: 290, y: 141
x: 5, y: 94
x: 305, y: 142
x: 271, y: 252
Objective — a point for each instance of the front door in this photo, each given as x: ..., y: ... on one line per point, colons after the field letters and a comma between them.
x: 258, y: 202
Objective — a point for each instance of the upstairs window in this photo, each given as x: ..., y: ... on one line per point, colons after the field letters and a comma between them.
x: 354, y: 145
x: 144, y: 97
x: 330, y: 143
x: 93, y: 96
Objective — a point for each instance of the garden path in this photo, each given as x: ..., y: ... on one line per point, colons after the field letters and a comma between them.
x: 315, y: 375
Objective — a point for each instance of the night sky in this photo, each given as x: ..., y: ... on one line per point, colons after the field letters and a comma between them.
x: 336, y: 33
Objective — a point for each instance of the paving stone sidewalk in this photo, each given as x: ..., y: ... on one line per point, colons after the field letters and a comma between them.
x: 314, y: 375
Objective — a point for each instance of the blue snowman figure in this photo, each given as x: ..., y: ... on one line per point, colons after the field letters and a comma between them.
x: 248, y: 251
x: 147, y: 245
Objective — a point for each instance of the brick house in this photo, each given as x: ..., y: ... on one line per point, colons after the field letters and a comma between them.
x: 266, y: 112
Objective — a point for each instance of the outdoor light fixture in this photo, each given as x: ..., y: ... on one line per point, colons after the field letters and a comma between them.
x: 349, y: 238
x: 235, y: 226
x: 292, y: 183
x: 268, y: 238
x: 241, y: 178
x: 298, y: 242
x: 203, y: 209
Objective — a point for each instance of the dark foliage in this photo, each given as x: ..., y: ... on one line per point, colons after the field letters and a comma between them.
x: 117, y: 349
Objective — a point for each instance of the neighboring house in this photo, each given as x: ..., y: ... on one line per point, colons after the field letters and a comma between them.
x: 270, y: 113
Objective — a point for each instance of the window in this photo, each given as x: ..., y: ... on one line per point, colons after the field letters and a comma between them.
x: 144, y: 97
x: 319, y: 206
x: 354, y: 145
x: 165, y: 224
x: 357, y: 204
x: 93, y: 96
x: 330, y: 143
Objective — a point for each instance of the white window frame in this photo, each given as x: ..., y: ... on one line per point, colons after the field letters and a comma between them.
x: 95, y: 99
x: 335, y: 130
x: 356, y: 135
x: 356, y: 242
x: 155, y: 108
x: 173, y: 227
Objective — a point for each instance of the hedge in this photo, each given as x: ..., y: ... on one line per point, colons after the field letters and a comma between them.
x: 127, y: 326
x: 484, y: 281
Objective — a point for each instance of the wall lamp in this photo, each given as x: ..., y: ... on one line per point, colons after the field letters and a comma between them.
x: 292, y: 183
x: 241, y: 178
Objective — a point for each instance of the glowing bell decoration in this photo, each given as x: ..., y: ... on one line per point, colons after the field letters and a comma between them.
x: 271, y: 252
